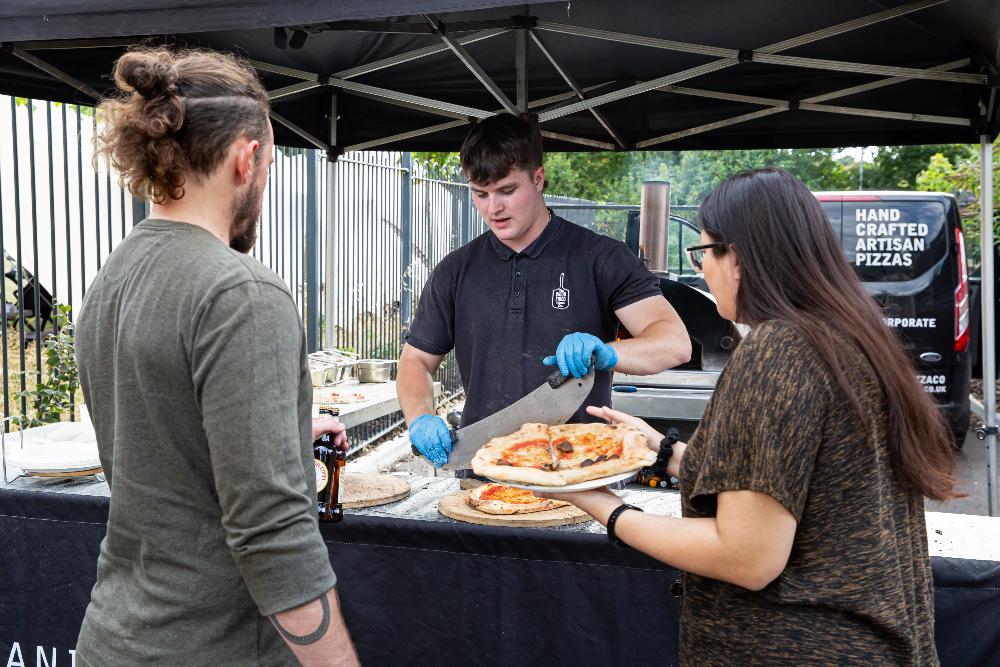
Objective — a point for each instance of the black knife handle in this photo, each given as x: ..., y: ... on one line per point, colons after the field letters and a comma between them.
x: 557, y: 378
x: 416, y: 452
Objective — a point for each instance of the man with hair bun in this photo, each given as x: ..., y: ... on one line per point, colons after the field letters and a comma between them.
x: 192, y: 362
x: 532, y: 292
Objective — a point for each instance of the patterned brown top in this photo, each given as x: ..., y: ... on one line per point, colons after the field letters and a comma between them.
x: 857, y: 589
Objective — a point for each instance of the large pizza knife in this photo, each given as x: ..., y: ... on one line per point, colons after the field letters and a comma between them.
x: 553, y: 403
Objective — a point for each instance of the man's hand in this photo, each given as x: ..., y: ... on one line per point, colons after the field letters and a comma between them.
x: 574, y: 352
x: 326, y: 425
x: 430, y: 435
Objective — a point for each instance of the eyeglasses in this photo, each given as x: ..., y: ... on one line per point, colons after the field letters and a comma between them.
x: 696, y: 254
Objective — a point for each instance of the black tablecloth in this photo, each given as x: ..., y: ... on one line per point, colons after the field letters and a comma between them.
x: 430, y: 593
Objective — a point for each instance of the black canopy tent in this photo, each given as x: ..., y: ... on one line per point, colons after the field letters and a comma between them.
x: 629, y: 75
x: 712, y: 74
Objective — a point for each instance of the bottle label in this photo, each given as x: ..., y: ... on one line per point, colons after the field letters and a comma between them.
x: 322, y: 475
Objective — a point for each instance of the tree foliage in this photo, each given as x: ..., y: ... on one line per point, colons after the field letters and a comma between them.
x: 617, y: 177
x: 960, y: 175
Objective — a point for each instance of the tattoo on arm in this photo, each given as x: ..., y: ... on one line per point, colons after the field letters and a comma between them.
x: 310, y: 638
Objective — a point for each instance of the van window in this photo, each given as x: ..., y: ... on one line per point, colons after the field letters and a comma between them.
x: 832, y: 210
x: 894, y: 241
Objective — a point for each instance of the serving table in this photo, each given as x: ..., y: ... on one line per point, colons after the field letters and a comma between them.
x: 418, y: 588
x: 381, y: 400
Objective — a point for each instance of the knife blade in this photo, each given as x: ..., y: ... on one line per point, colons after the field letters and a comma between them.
x: 553, y: 403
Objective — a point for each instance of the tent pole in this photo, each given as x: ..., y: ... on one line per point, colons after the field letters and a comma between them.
x: 332, y: 261
x: 312, y: 249
x: 521, y: 63
x: 989, y: 334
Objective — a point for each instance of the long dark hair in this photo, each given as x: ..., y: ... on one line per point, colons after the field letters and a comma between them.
x: 793, y: 269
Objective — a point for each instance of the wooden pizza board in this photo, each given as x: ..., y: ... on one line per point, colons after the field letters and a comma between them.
x: 455, y: 506
x: 78, y: 473
x: 362, y: 490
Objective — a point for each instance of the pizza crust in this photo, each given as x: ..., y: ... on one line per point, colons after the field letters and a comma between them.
x: 519, y: 475
x: 493, y: 506
x: 635, y: 455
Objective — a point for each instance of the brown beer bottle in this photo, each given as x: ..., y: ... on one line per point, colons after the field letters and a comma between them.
x: 329, y: 461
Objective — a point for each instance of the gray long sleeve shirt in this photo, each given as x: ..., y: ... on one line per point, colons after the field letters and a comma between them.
x: 193, y: 364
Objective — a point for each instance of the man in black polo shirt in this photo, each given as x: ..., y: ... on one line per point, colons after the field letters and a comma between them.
x: 534, y: 291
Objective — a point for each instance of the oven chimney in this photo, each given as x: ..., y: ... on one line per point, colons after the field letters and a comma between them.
x: 654, y: 222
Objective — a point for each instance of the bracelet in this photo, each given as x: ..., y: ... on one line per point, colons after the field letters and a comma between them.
x: 615, y: 513
x: 666, y: 451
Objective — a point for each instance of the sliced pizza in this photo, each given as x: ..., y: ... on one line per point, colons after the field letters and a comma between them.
x: 564, y: 454
x: 592, y: 451
x: 523, y: 456
x: 502, y: 499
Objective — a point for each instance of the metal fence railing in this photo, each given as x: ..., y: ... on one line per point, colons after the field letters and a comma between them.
x: 355, y: 240
x: 356, y: 278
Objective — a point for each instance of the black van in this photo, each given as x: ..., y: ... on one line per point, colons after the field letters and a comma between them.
x: 908, y: 249
x: 909, y: 252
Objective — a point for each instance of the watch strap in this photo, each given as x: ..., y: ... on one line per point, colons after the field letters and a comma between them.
x: 615, y: 513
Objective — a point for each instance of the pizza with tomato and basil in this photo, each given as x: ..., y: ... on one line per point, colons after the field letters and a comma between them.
x: 545, y: 455
x: 503, y: 499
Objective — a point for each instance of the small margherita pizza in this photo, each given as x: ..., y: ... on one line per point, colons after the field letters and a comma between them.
x: 502, y: 499
x: 560, y: 455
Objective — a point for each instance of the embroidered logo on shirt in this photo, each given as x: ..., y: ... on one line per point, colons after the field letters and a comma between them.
x: 560, y: 295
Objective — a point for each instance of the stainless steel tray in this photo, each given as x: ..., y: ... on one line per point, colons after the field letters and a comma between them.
x: 375, y: 370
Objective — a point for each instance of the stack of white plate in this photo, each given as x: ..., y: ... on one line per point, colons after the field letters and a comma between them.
x: 65, y: 448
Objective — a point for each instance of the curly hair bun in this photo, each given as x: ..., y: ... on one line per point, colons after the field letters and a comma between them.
x: 152, y: 74
x: 174, y: 116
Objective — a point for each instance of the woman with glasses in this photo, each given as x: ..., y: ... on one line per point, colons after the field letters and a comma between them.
x: 802, y: 540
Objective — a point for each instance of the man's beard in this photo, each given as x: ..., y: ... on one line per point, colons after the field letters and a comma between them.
x: 245, y: 215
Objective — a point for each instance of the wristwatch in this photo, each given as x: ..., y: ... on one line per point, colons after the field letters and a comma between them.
x: 615, y: 513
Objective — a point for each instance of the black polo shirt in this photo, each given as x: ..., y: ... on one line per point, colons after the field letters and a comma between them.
x: 503, y: 312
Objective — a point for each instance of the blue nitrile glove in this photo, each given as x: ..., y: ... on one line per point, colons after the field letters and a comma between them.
x: 574, y: 352
x: 430, y: 435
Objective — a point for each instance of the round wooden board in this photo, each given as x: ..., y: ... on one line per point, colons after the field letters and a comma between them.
x: 78, y: 473
x: 361, y: 490
x: 455, y: 506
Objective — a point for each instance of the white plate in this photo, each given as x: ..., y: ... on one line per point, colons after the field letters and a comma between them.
x: 581, y: 486
x: 55, y: 458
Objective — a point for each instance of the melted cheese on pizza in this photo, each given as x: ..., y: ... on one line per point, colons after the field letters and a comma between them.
x: 509, y: 494
x: 573, y: 451
x: 530, y: 454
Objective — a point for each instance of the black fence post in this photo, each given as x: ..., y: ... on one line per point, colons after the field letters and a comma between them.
x: 139, y: 212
